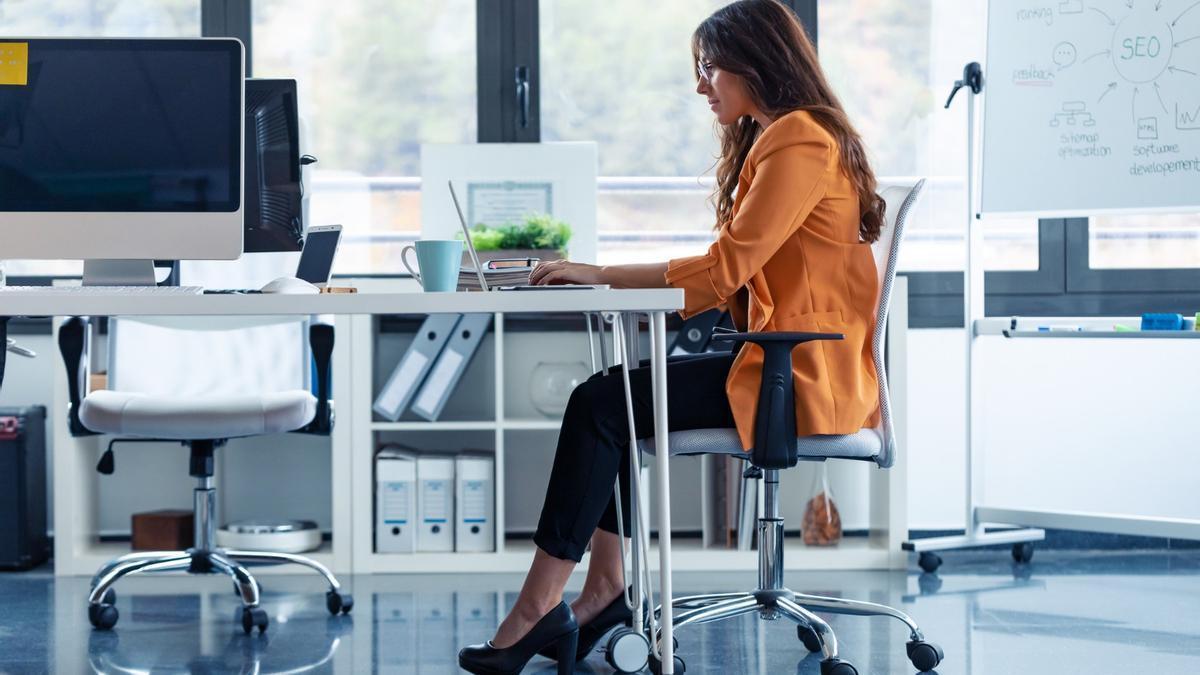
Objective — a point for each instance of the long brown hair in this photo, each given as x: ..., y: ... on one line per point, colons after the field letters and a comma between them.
x: 763, y: 42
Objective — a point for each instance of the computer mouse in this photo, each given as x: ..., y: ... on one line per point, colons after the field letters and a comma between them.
x: 290, y: 286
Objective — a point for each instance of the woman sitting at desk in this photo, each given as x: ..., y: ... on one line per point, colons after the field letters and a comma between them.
x: 796, y: 212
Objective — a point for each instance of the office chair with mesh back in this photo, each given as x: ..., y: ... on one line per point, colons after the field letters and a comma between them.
x: 777, y: 447
x: 203, y: 410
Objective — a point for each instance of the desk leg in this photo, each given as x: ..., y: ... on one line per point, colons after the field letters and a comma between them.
x: 658, y: 362
x: 3, y: 347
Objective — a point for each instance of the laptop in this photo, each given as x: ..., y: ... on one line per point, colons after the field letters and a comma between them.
x: 483, y: 284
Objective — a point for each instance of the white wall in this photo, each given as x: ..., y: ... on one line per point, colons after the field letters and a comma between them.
x: 1092, y: 425
x: 1072, y: 424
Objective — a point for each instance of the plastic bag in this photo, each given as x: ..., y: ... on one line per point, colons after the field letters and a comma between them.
x: 822, y: 524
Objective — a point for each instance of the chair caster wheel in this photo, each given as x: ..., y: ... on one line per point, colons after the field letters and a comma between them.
x: 254, y: 617
x: 627, y: 651
x: 337, y: 603
x: 929, y: 562
x: 809, y: 637
x: 837, y: 667
x: 925, y: 656
x: 656, y: 665
x: 103, y: 616
x: 1022, y: 552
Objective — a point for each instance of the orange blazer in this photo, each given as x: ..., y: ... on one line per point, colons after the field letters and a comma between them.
x: 791, y: 260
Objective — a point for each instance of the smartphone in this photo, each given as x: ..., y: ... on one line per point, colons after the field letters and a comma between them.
x: 316, y: 258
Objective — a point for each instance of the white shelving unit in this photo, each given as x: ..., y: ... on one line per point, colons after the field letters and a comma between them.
x: 373, y: 357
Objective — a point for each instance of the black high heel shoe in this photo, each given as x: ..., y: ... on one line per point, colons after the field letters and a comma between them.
x: 590, y: 633
x: 556, y: 633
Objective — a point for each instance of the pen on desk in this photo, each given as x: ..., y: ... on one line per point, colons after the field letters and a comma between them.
x: 1060, y: 327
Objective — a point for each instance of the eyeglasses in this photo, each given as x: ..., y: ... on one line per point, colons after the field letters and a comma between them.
x: 705, y: 69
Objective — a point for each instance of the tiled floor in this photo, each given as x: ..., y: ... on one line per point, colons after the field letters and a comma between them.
x: 1069, y: 612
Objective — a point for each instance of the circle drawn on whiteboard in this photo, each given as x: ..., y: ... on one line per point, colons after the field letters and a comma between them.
x: 1064, y: 55
x: 1142, y: 46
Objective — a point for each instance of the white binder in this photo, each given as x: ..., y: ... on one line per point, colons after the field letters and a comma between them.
x: 435, y: 503
x: 474, y: 503
x: 450, y: 365
x: 414, y: 365
x: 395, y: 501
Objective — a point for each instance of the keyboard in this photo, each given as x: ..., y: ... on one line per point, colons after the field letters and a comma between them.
x: 101, y: 290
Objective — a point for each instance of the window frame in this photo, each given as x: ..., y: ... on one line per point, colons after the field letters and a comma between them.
x: 1064, y: 283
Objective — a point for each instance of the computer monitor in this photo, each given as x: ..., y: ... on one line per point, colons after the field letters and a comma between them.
x: 274, y: 217
x: 121, y: 150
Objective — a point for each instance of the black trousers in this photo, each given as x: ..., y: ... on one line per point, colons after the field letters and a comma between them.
x: 593, y: 444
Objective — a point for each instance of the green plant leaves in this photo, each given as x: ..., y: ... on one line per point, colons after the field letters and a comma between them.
x: 539, y: 231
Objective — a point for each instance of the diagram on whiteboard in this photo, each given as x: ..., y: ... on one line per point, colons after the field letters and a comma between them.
x: 1106, y: 90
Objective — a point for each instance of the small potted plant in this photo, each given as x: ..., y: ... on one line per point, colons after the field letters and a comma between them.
x: 539, y: 236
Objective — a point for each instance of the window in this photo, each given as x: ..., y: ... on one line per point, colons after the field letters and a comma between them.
x: 92, y: 18
x: 88, y: 18
x: 891, y: 63
x: 377, y: 79
x: 620, y: 73
x: 1144, y: 242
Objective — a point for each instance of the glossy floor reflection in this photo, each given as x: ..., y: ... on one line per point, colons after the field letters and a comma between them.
x: 1068, y: 612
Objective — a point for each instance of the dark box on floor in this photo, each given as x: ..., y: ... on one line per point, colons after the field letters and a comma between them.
x: 23, y: 541
x: 166, y: 530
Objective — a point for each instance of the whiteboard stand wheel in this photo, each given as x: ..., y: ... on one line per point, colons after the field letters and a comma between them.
x: 627, y: 651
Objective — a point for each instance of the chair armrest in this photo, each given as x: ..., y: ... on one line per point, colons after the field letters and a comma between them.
x: 320, y: 340
x: 72, y: 337
x: 775, y: 419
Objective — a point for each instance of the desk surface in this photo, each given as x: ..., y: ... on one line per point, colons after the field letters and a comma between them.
x: 123, y: 304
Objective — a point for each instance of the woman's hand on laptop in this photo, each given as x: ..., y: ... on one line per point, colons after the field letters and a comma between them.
x: 566, y: 272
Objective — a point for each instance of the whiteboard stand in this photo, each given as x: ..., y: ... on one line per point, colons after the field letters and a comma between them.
x: 973, y: 306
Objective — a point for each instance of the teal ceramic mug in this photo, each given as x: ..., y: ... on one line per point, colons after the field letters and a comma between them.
x: 438, y: 261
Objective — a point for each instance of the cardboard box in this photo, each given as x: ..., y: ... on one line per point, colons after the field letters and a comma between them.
x: 165, y: 530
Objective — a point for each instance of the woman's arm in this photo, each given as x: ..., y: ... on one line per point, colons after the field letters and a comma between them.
x: 648, y: 275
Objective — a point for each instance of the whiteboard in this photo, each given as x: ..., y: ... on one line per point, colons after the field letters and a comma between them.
x: 1091, y: 106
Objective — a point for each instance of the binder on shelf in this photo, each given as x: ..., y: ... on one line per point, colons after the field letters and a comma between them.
x: 414, y: 365
x: 435, y: 503
x: 474, y: 503
x: 450, y: 365
x: 395, y: 501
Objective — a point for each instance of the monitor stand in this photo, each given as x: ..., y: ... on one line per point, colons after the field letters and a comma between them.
x: 118, y: 273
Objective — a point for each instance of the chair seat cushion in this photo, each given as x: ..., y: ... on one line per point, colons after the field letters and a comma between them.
x: 865, y: 444
x: 196, y: 418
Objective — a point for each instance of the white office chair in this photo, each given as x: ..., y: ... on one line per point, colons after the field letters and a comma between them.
x: 212, y: 404
x: 777, y: 448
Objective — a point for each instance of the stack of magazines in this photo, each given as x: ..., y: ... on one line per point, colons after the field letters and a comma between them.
x: 502, y: 272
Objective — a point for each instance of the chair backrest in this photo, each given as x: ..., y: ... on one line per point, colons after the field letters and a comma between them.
x: 208, y: 356
x: 901, y: 197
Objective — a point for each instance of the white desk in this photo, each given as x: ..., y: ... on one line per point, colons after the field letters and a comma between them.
x: 655, y: 303
x: 657, y: 300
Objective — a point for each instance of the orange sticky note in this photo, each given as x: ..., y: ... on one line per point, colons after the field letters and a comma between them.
x: 14, y: 63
